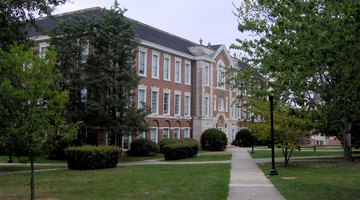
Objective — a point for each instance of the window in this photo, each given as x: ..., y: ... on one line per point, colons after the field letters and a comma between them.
x: 83, y: 95
x: 177, y: 133
x: 141, y: 135
x: 84, y: 51
x: 166, y: 103
x: 154, y: 135
x: 141, y: 98
x: 126, y: 140
x: 43, y: 47
x: 154, y: 102
x: 206, y: 106
x: 178, y: 71
x: 221, y: 104
x: 233, y: 108
x: 221, y: 75
x: 155, y: 66
x: 226, y: 104
x: 215, y: 105
x: 206, y: 77
x: 167, y: 69
x: 177, y: 108
x: 187, y: 133
x: 142, y: 63
x: 187, y: 73
x: 166, y: 133
x: 187, y: 105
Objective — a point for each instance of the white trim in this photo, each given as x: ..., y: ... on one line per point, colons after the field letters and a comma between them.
x: 179, y: 104
x: 189, y: 106
x: 172, y: 51
x: 155, y: 90
x: 143, y: 50
x: 138, y: 99
x: 187, y: 63
x: 157, y: 75
x: 177, y: 61
x: 179, y: 135
x: 157, y: 134
x: 169, y: 100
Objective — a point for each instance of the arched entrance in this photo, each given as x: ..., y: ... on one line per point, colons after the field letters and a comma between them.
x: 220, y: 124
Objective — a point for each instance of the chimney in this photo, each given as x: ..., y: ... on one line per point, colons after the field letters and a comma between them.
x: 201, y: 41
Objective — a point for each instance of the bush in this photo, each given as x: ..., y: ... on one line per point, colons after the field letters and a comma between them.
x: 166, y: 141
x: 143, y: 147
x: 244, y: 138
x: 55, y: 146
x: 235, y: 143
x: 213, y: 140
x: 186, y: 148
x: 92, y: 157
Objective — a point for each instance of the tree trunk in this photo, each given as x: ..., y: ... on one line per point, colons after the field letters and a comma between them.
x: 32, y: 180
x: 347, y: 147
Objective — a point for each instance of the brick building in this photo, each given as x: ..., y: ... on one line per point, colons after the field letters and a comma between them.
x: 182, y: 81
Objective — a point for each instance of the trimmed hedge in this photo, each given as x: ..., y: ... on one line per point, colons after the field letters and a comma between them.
x: 213, y: 140
x: 143, y: 147
x: 92, y: 157
x: 244, y: 138
x: 166, y: 141
x: 186, y: 148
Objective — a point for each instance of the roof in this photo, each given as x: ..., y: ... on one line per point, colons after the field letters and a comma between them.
x: 143, y: 31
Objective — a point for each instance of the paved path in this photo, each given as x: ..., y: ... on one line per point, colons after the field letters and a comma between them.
x: 247, y: 181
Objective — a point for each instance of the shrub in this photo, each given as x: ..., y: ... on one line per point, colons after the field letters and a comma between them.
x: 186, y: 148
x: 244, y: 138
x: 55, y: 146
x: 143, y: 147
x: 166, y: 141
x: 235, y: 143
x: 92, y: 157
x: 213, y: 140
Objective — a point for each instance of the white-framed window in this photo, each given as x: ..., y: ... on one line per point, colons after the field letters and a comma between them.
x: 220, y: 74
x: 177, y: 104
x: 155, y: 102
x: 226, y: 104
x: 166, y: 133
x: 186, y: 133
x: 233, y: 109
x: 83, y: 95
x: 43, y: 47
x: 206, y: 78
x: 142, y: 63
x: 126, y: 141
x: 84, y: 51
x: 177, y: 133
x: 166, y: 103
x: 154, y: 135
x: 221, y: 104
x: 167, y: 69
x: 187, y: 73
x: 178, y: 71
x: 155, y: 66
x: 206, y: 106
x: 215, y: 105
x: 141, y: 135
x: 187, y: 105
x: 141, y: 98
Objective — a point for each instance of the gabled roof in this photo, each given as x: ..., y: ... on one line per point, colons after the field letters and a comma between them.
x: 143, y: 32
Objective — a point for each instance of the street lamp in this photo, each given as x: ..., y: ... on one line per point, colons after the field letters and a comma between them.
x: 273, y: 170
x: 253, y: 136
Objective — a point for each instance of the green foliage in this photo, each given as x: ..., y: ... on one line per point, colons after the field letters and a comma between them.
x: 307, y: 51
x: 166, y: 141
x: 244, y: 138
x: 106, y: 74
x: 186, y: 148
x: 16, y: 15
x: 92, y: 157
x: 143, y: 147
x: 213, y: 140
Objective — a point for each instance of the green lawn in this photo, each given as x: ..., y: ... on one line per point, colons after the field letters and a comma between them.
x: 131, y: 182
x: 40, y: 159
x: 278, y: 153
x: 205, y: 157
x: 317, y: 180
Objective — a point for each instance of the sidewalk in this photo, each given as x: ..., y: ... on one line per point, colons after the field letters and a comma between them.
x: 247, y: 181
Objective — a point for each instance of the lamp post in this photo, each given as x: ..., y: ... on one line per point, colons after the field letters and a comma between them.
x: 252, y: 134
x: 273, y: 169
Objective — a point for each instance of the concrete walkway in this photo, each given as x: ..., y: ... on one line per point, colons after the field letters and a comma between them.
x: 247, y: 181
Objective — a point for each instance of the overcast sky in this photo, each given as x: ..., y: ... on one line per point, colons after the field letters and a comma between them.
x: 211, y: 20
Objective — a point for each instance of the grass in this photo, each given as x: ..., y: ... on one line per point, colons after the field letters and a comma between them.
x: 132, y: 182
x: 278, y: 153
x: 317, y: 180
x: 40, y: 159
x: 206, y: 157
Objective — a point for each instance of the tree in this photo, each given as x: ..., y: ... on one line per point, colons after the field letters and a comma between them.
x: 308, y: 53
x: 15, y: 15
x: 289, y: 124
x: 101, y: 84
x: 32, y: 102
